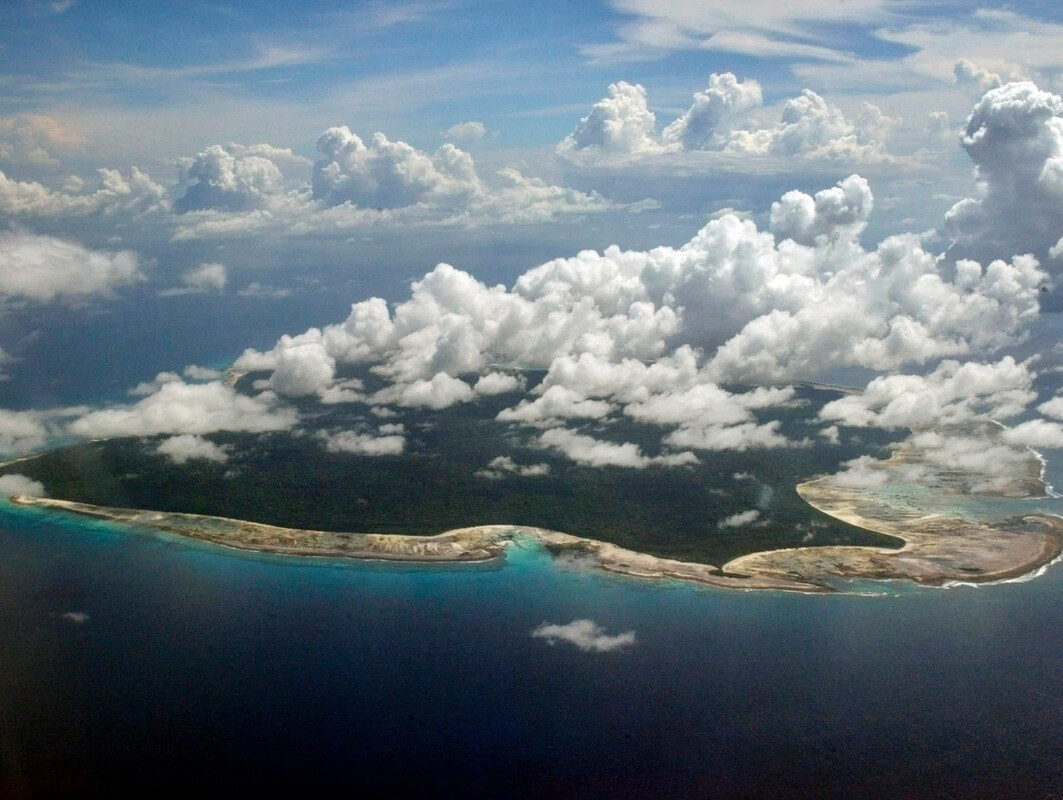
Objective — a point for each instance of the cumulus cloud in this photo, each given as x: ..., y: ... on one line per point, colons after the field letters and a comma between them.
x: 841, y: 211
x: 739, y: 520
x: 386, y: 174
x: 593, y: 452
x: 14, y: 483
x: 440, y: 391
x: 703, y: 125
x: 653, y: 334
x: 144, y: 388
x: 301, y: 365
x: 46, y: 268
x: 466, y: 131
x: 179, y: 407
x: 231, y: 178
x: 1035, y: 433
x: 1014, y: 136
x: 498, y: 383
x: 585, y: 634
x: 35, y: 138
x: 808, y: 127
x: 23, y: 431
x: 500, y: 466
x: 971, y: 459
x: 954, y: 392
x: 967, y: 73
x: 236, y: 193
x: 116, y: 194
x: 390, y: 441
x: 207, y: 277
x: 186, y: 447
x: 621, y: 122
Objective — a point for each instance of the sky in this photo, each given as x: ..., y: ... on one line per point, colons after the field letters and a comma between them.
x: 676, y: 208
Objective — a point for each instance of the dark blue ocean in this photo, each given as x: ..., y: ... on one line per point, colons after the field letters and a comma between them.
x: 137, y: 662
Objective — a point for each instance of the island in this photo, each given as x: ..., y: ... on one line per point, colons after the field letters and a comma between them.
x: 910, y: 514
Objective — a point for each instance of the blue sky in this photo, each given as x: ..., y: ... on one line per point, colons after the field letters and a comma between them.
x: 769, y: 191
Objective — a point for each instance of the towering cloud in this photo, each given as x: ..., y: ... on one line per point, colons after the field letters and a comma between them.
x: 735, y: 303
x: 1014, y: 136
x: 618, y: 123
x: 386, y: 174
x: 808, y: 127
x: 228, y: 178
x: 702, y: 126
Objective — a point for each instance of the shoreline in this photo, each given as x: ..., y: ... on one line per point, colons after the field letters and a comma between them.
x: 926, y: 557
x: 460, y: 546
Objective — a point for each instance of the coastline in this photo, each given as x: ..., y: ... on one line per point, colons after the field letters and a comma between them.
x: 462, y: 545
x: 936, y: 550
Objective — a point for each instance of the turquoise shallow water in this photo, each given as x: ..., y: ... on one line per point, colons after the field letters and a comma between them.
x: 194, y: 668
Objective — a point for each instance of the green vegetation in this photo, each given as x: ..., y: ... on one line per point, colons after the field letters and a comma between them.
x: 291, y: 479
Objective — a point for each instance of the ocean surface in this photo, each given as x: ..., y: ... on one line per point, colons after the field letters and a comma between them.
x: 137, y: 661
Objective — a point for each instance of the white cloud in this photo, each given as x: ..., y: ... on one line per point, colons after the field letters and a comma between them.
x: 972, y: 459
x: 207, y: 277
x: 117, y: 194
x: 498, y: 467
x: 302, y: 366
x: 183, y: 448
x: 620, y: 122
x: 626, y: 330
x: 1035, y: 433
x: 745, y: 436
x: 498, y: 383
x: 970, y: 74
x: 593, y: 452
x: 466, y: 131
x: 704, y: 125
x: 1052, y: 408
x: 179, y: 407
x: 356, y: 185
x: 952, y: 393
x: 14, y: 483
x: 144, y: 388
x: 438, y: 392
x: 385, y: 174
x: 45, y: 268
x: 366, y: 444
x: 23, y: 431
x: 739, y: 520
x: 585, y: 634
x: 35, y: 138
x: 232, y: 178
x: 556, y: 403
x: 809, y: 127
x: 841, y: 211
x: 1014, y: 136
